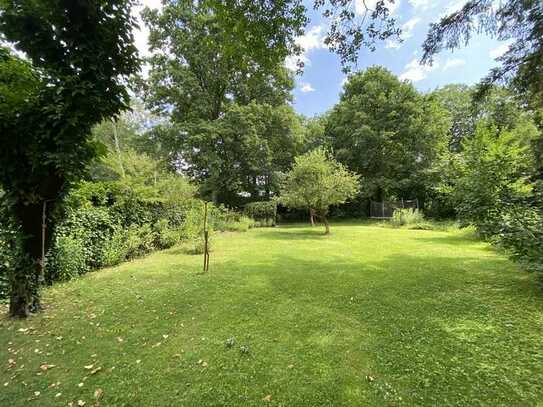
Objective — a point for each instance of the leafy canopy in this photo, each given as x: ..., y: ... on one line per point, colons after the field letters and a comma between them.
x: 386, y: 131
x: 317, y: 181
x: 520, y: 21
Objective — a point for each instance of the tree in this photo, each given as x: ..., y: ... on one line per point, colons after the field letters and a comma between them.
x: 386, y: 131
x: 211, y: 93
x: 519, y: 21
x: 241, y: 152
x: 79, y: 56
x: 491, y: 175
x: 316, y: 182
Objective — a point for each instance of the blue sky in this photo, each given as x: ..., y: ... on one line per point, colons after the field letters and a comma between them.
x: 319, y: 87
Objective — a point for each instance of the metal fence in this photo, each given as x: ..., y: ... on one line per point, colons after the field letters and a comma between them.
x: 385, y: 209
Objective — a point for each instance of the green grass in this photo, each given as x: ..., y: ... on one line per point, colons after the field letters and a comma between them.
x: 367, y: 316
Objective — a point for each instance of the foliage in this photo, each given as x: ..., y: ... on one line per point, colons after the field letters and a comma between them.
x: 316, y: 182
x: 520, y: 231
x: 407, y: 217
x: 519, y: 21
x: 491, y: 174
x: 79, y: 55
x: 358, y: 24
x: 263, y: 212
x: 386, y: 131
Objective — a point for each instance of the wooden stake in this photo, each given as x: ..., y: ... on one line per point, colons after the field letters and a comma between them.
x: 206, y: 237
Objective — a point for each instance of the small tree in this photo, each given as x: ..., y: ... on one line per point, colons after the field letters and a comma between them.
x: 316, y: 182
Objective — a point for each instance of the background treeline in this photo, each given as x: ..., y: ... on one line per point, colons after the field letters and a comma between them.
x: 477, y: 160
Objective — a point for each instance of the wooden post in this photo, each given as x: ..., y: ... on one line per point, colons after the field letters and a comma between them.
x: 206, y: 237
x: 383, y: 209
x: 41, y: 276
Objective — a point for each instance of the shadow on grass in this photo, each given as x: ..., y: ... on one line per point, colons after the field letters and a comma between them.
x: 464, y: 239
x: 293, y: 233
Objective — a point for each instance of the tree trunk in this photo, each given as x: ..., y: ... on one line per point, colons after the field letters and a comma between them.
x: 326, y: 225
x: 215, y: 197
x: 28, y: 272
x: 312, y: 217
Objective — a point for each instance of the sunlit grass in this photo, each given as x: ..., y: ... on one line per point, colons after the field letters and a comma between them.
x: 287, y: 316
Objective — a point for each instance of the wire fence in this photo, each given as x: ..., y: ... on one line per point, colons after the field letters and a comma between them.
x: 385, y: 209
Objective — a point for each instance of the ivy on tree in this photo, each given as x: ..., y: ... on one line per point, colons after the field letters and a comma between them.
x: 79, y: 56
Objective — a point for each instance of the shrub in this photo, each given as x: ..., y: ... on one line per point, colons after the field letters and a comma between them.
x: 140, y: 240
x: 407, y: 217
x: 115, y: 250
x: 520, y: 232
x: 68, y: 259
x: 264, y: 213
x: 165, y: 236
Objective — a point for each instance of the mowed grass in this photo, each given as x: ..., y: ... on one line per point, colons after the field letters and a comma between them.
x: 367, y: 316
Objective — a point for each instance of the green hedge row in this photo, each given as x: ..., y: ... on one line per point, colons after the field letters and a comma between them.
x: 103, y: 225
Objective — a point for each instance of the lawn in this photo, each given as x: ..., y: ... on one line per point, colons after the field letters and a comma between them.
x: 288, y: 317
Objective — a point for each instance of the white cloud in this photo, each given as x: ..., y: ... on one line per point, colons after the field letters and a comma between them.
x: 415, y: 72
x: 500, y: 50
x: 361, y: 6
x: 421, y: 4
x: 141, y: 35
x: 454, y: 63
x: 393, y: 44
x: 306, y: 87
x: 407, y: 32
x: 313, y: 39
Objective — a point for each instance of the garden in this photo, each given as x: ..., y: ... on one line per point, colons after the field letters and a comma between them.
x: 176, y: 229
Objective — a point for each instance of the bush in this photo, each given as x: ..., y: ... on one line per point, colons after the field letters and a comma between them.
x: 407, y: 217
x: 68, y: 259
x: 140, y: 240
x: 115, y: 250
x: 242, y: 224
x: 520, y: 232
x: 264, y: 213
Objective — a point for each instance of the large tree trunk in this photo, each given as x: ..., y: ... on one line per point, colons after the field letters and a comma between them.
x: 28, y: 272
x: 312, y: 216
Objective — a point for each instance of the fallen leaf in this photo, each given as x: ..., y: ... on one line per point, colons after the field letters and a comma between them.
x: 267, y: 398
x: 80, y: 385
x: 46, y: 367
x: 58, y: 395
x: 94, y: 371
x: 290, y: 366
x: 204, y: 364
x: 37, y: 393
x: 138, y: 361
x: 81, y: 403
x: 89, y: 367
x: 98, y: 393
